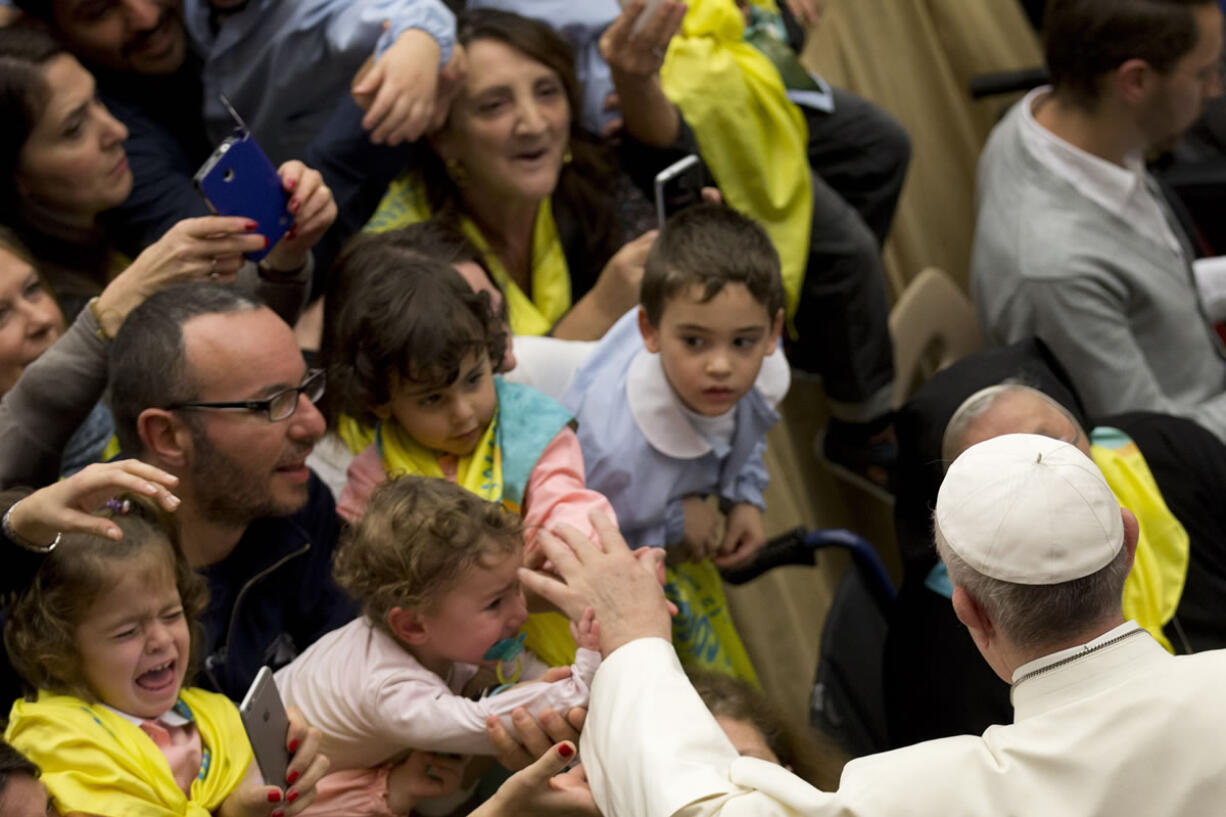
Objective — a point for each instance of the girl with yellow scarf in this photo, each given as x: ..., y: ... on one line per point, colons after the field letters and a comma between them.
x: 416, y: 349
x: 104, y: 635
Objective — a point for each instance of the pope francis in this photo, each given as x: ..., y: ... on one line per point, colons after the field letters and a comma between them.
x: 1106, y: 722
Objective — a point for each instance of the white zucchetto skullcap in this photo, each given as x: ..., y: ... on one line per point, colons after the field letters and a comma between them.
x: 1029, y: 509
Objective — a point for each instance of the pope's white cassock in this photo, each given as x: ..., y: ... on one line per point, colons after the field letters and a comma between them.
x: 1116, y: 728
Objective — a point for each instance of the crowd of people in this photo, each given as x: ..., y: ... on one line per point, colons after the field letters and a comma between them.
x: 460, y: 456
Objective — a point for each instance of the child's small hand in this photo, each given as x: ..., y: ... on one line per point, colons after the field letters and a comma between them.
x: 586, y: 630
x: 743, y: 538
x: 422, y: 775
x: 701, y: 537
x: 398, y: 92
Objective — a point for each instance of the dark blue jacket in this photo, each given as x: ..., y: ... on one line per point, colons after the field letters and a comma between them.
x: 273, y: 596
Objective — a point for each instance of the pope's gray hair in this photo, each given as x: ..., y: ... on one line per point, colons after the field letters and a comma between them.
x: 1041, y: 615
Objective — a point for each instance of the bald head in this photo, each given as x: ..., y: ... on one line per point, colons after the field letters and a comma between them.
x: 1009, y: 408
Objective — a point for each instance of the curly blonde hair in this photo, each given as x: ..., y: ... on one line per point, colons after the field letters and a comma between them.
x: 419, y: 537
x: 40, y: 631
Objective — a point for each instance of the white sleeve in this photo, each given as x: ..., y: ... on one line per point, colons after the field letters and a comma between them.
x: 651, y: 748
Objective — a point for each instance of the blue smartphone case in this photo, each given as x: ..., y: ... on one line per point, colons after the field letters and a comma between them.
x: 239, y: 180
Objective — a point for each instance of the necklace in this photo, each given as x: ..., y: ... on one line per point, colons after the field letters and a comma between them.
x: 1082, y: 653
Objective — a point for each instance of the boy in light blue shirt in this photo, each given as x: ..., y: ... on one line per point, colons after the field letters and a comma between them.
x: 675, y: 401
x: 286, y: 64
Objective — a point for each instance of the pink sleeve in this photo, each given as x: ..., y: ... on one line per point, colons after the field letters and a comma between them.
x: 351, y: 793
x: 365, y: 474
x: 557, y: 490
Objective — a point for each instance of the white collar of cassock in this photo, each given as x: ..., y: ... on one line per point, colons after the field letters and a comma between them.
x: 659, y: 414
x: 1085, y: 669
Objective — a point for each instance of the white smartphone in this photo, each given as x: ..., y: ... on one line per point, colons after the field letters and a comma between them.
x: 647, y: 14
x: 267, y: 727
x: 678, y: 186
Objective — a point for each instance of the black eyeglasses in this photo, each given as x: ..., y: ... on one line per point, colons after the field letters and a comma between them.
x: 278, y: 407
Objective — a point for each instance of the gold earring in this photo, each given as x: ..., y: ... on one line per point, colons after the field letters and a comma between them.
x: 567, y: 156
x: 457, y: 172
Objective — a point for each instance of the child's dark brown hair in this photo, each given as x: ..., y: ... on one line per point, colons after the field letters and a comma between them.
x: 403, y: 312
x: 40, y: 630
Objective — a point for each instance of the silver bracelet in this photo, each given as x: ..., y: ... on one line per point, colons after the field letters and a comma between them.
x: 6, y: 523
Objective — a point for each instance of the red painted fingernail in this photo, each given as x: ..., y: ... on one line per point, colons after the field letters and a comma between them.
x: 566, y: 750
x: 290, y: 184
x: 294, y: 205
x: 292, y: 776
x: 264, y: 248
x: 274, y: 796
x: 292, y: 797
x: 278, y: 813
x: 293, y: 744
x: 252, y: 225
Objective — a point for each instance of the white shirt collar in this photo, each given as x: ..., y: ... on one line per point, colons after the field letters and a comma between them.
x: 1119, y: 190
x: 1034, y: 666
x: 659, y: 414
x: 168, y: 718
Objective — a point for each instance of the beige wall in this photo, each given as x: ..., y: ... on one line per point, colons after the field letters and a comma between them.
x: 915, y: 59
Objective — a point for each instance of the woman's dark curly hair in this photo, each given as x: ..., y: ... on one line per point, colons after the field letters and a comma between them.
x: 402, y: 312
x: 40, y: 630
x: 584, y: 205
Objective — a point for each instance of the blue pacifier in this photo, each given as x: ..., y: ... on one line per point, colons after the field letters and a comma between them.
x: 504, y: 652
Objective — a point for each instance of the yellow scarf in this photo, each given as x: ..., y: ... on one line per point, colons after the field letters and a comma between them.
x: 95, y: 762
x: 752, y: 137
x: 479, y: 472
x: 1155, y: 583
x: 405, y: 203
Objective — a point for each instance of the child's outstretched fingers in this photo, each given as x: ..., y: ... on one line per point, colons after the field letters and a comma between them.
x: 586, y: 630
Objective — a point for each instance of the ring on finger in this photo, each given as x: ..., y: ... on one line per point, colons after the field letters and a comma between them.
x: 213, y: 274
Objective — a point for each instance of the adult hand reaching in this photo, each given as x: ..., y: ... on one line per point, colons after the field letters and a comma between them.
x: 638, y: 51
x: 68, y: 506
x: 621, y: 586
x: 534, y: 735
x: 195, y: 249
x: 313, y: 209
x: 540, y: 790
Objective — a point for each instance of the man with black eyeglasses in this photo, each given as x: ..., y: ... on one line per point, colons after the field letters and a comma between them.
x: 209, y: 385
